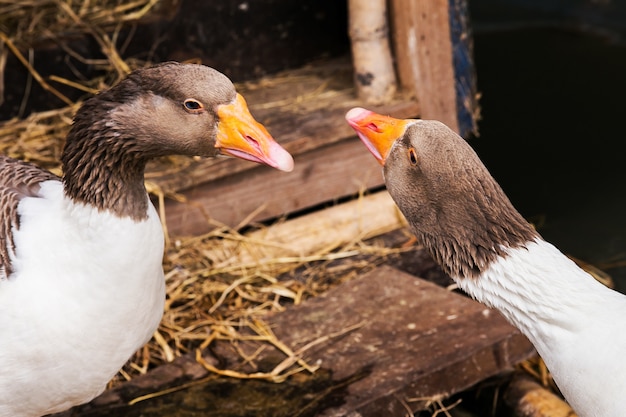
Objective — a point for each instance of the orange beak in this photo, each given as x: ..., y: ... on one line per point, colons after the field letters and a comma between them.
x: 241, y: 136
x: 377, y: 132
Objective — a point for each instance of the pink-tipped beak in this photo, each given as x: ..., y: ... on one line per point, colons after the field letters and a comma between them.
x: 241, y: 136
x: 377, y: 132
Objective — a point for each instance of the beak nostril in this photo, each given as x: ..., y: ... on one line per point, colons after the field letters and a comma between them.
x: 253, y: 142
x: 373, y: 126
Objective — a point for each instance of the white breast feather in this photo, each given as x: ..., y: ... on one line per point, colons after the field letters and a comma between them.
x: 86, y: 293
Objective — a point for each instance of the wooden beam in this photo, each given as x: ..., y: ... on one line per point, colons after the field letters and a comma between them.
x: 423, y: 51
x: 321, y: 175
x: 374, y: 75
x: 317, y: 232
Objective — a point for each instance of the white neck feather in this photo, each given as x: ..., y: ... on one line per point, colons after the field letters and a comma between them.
x: 537, y: 288
x: 572, y: 320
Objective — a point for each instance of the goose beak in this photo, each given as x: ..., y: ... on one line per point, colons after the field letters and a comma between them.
x: 241, y: 136
x: 377, y: 132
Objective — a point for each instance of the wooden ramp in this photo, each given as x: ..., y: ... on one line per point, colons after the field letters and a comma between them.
x: 385, y: 342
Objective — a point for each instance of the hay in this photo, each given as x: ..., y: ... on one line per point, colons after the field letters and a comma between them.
x: 27, y: 24
x: 208, y: 302
x: 39, y: 138
x: 33, y: 22
x: 30, y: 23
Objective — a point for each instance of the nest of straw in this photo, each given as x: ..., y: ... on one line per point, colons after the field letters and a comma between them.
x: 218, y: 290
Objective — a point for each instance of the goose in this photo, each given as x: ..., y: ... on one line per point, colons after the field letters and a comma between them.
x: 461, y: 215
x: 81, y: 278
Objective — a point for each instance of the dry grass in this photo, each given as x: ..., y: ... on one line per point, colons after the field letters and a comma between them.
x: 27, y: 24
x: 33, y: 22
x: 39, y: 138
x: 212, y: 295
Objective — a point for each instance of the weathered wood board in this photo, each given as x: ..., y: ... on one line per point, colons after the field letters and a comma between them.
x: 423, y: 51
x: 413, y: 340
x: 418, y: 340
x: 434, y: 59
x: 321, y: 175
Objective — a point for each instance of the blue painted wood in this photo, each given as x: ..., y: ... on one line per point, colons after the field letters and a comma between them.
x: 464, y: 71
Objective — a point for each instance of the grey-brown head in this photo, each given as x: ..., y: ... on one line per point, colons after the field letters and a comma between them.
x: 166, y: 109
x: 454, y: 206
x: 175, y: 108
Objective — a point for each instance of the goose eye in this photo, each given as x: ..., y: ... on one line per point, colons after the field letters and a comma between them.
x: 412, y: 156
x: 192, y: 104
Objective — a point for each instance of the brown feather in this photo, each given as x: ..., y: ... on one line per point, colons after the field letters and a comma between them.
x: 454, y: 206
x: 17, y: 181
x: 113, y: 135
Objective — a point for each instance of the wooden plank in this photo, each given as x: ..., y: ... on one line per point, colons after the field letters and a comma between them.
x: 418, y: 341
x: 423, y: 51
x: 320, y: 175
x: 318, y: 232
x: 412, y: 340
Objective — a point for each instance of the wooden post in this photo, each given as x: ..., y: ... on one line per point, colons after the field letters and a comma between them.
x: 375, y: 78
x: 423, y: 52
